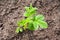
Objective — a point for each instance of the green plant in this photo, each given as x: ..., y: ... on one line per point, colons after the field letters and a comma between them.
x: 32, y: 21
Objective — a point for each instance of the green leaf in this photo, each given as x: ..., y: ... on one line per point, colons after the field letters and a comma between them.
x: 39, y: 17
x: 21, y: 23
x: 30, y: 11
x: 35, y: 25
x: 18, y: 23
x: 30, y: 26
x: 27, y: 9
x: 28, y: 20
x: 21, y: 30
x: 26, y: 14
x: 33, y: 9
x: 42, y: 24
x: 31, y: 6
x: 18, y: 29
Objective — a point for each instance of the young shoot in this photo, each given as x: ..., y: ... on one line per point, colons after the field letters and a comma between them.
x: 32, y: 21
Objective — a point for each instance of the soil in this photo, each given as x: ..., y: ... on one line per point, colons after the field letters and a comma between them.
x: 12, y: 10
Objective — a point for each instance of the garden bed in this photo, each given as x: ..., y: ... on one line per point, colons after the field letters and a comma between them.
x: 12, y: 10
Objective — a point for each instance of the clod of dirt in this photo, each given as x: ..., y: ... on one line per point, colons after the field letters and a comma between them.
x: 1, y: 24
x: 57, y: 31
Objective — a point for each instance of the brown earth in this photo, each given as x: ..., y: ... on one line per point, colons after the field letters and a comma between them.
x: 12, y: 10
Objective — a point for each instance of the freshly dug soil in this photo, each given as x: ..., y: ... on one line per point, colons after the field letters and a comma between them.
x: 12, y: 10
